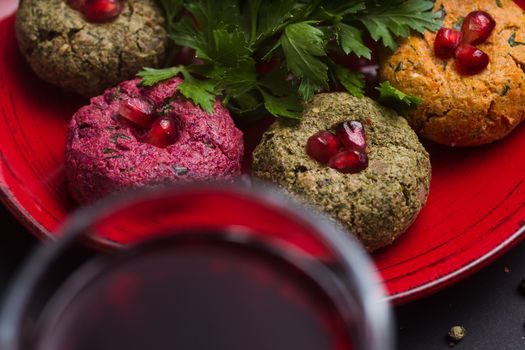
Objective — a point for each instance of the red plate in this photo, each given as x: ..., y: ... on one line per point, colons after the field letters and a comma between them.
x: 475, y: 212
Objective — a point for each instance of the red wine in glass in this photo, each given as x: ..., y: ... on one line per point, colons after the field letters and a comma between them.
x: 196, y: 293
x: 201, y: 266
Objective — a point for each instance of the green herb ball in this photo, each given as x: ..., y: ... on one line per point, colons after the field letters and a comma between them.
x: 68, y: 51
x: 377, y: 204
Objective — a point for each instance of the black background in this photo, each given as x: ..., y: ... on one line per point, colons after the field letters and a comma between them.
x: 487, y: 304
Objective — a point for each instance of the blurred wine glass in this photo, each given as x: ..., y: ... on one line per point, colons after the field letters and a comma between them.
x: 197, y: 267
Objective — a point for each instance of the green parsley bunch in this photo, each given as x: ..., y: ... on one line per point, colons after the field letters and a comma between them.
x: 231, y: 37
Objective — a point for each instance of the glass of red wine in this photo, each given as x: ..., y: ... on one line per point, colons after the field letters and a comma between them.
x: 203, y: 266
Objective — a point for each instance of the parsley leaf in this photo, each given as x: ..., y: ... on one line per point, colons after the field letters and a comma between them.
x: 172, y: 9
x: 303, y: 45
x: 248, y: 104
x: 184, y: 33
x: 201, y: 92
x: 272, y: 14
x: 239, y: 80
x: 250, y: 16
x: 337, y: 9
x: 351, y: 40
x: 280, y: 95
x: 352, y: 7
x: 228, y: 47
x: 151, y: 76
x: 353, y: 82
x: 289, y: 106
x: 387, y: 19
x: 213, y: 14
x: 278, y: 82
x: 397, y: 100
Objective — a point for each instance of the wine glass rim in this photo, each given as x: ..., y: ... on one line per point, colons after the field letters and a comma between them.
x: 356, y: 262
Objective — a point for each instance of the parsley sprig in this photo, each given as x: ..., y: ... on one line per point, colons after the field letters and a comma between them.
x: 233, y: 37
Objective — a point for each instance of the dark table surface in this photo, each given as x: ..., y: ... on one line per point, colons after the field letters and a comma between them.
x: 487, y: 304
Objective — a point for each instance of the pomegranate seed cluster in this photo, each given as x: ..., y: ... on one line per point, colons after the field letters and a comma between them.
x: 475, y: 30
x: 98, y: 10
x: 344, y: 150
x: 161, y: 131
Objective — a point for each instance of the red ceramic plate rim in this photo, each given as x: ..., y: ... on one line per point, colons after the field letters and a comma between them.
x: 461, y: 273
x: 22, y: 215
x: 425, y: 289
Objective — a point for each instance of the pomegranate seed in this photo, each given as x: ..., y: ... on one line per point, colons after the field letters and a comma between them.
x: 163, y: 133
x: 138, y: 111
x: 352, y: 135
x: 477, y: 27
x: 184, y: 57
x: 102, y: 10
x: 77, y: 4
x: 323, y: 146
x: 349, y: 162
x: 447, y: 40
x: 470, y: 60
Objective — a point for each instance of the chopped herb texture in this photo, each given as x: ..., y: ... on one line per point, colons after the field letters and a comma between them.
x: 180, y: 170
x: 232, y: 38
x: 512, y: 41
x: 108, y: 150
x: 504, y: 91
x: 117, y: 136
